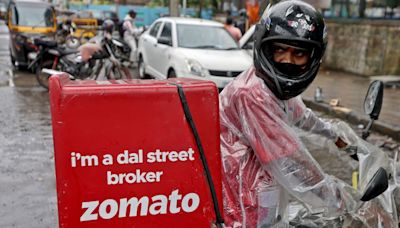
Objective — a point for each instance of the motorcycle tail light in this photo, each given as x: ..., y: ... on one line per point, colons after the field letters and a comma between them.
x: 32, y: 46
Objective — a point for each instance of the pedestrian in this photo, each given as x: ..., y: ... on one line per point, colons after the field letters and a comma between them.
x: 241, y: 23
x: 130, y: 32
x: 235, y: 32
x: 264, y: 160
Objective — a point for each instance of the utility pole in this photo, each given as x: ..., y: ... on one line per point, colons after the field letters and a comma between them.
x: 184, y: 4
x: 174, y: 8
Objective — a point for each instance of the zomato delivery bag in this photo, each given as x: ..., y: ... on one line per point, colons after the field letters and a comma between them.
x: 129, y: 153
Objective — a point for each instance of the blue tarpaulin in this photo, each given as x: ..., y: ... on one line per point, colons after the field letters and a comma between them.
x: 145, y: 15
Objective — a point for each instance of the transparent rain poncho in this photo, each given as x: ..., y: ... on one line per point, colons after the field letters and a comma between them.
x: 265, y: 163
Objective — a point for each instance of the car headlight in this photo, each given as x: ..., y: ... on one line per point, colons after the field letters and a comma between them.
x: 195, y: 68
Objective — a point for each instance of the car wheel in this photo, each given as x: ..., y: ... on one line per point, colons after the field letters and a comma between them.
x: 141, y: 68
x: 171, y: 74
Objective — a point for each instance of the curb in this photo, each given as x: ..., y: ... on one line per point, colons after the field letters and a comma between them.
x: 352, y: 117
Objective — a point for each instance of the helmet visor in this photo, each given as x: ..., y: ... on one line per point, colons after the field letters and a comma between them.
x: 290, y: 59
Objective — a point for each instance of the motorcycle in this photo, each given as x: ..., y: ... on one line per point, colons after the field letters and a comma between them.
x: 54, y: 57
x: 105, y: 59
x: 65, y: 35
x: 118, y: 52
x: 374, y: 203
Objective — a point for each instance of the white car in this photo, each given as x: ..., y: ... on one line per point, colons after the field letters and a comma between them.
x: 190, y: 47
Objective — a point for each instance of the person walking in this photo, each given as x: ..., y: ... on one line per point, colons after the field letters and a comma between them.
x: 235, y: 32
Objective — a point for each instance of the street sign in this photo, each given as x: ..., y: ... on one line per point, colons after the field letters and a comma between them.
x: 125, y: 155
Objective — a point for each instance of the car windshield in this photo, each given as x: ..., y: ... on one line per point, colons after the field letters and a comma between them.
x: 204, y: 37
x: 35, y: 16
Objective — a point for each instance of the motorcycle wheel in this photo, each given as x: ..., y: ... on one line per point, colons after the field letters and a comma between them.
x: 119, y: 73
x: 96, y: 69
x: 41, y: 77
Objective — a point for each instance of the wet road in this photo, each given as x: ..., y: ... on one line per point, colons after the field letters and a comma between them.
x: 28, y: 196
x: 28, y: 187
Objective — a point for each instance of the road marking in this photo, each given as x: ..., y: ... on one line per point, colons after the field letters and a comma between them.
x: 11, y: 78
x: 4, y: 36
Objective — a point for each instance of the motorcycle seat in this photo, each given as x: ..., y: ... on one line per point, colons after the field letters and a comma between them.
x: 46, y: 43
x: 63, y: 51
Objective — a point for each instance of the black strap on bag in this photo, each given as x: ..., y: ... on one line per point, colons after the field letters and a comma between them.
x: 188, y: 115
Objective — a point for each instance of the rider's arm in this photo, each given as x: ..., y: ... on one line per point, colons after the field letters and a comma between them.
x: 306, y: 119
x: 282, y: 154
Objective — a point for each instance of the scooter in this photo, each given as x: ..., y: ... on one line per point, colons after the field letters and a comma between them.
x: 373, y: 203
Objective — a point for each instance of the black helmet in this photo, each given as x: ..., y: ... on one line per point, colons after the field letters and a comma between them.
x: 132, y: 13
x: 108, y: 26
x: 296, y: 24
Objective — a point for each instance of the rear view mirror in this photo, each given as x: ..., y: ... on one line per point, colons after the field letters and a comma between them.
x: 373, y: 99
x: 165, y: 40
x: 373, y: 104
x: 248, y: 46
x: 377, y: 185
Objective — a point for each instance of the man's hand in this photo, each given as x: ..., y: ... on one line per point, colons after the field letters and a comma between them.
x: 349, y: 149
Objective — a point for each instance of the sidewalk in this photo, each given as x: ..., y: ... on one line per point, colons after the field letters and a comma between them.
x: 351, y: 90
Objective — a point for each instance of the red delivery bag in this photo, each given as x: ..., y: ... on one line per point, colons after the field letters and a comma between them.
x: 127, y: 155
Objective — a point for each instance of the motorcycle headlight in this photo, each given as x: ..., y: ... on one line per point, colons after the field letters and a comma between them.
x: 195, y: 68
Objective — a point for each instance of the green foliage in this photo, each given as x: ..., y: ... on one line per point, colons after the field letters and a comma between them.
x: 197, y: 4
x: 189, y: 3
x: 158, y: 3
x: 392, y: 3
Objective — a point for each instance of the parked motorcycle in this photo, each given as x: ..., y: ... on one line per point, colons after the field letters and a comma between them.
x: 373, y: 203
x: 65, y: 35
x: 106, y: 59
x: 118, y: 51
x: 52, y: 56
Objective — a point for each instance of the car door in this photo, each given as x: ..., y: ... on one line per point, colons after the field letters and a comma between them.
x: 149, y: 46
x: 162, y: 50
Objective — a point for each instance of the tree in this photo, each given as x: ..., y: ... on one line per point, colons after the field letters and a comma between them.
x: 361, y: 8
x: 392, y: 4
